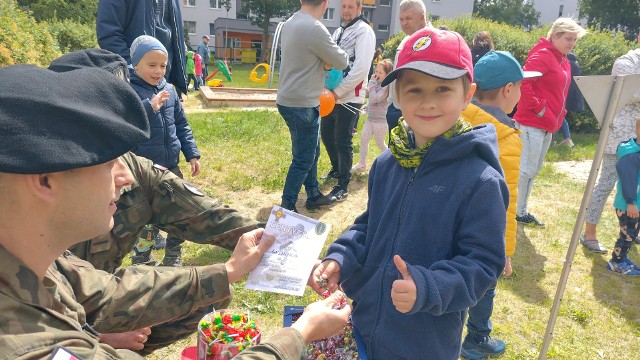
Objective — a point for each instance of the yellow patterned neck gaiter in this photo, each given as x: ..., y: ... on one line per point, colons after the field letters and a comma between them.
x: 402, y: 145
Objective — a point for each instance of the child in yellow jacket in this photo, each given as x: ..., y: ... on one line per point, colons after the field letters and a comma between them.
x: 498, y: 77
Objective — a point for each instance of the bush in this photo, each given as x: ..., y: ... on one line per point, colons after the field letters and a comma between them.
x: 72, y: 35
x: 22, y: 39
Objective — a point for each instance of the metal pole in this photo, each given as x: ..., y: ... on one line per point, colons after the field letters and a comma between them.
x: 274, y: 50
x: 595, y: 167
x: 226, y: 33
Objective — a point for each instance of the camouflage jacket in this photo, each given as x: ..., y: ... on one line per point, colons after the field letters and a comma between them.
x: 36, y: 317
x: 160, y: 198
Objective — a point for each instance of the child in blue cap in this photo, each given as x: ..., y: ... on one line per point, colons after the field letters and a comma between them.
x: 498, y: 77
x: 170, y: 131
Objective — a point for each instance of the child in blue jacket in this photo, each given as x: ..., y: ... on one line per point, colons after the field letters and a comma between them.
x: 626, y: 204
x: 425, y: 248
x: 170, y: 131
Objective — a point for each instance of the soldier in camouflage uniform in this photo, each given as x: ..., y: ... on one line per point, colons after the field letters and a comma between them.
x: 60, y: 177
x: 159, y: 197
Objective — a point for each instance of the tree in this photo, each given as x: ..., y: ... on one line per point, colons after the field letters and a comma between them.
x: 82, y: 11
x: 260, y: 13
x: 22, y: 39
x: 621, y: 15
x: 512, y: 12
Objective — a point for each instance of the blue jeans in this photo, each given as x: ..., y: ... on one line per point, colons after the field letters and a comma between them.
x: 479, y: 321
x: 535, y: 145
x: 304, y: 127
x: 565, y: 129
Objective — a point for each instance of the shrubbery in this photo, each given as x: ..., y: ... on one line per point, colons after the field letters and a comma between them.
x: 72, y: 35
x: 22, y: 39
x: 596, y: 51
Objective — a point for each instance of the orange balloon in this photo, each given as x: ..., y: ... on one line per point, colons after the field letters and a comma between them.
x: 327, y: 102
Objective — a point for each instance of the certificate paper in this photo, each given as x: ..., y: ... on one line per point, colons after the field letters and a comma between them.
x: 286, y: 266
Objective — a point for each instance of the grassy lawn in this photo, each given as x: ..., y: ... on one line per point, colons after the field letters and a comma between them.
x: 245, y: 159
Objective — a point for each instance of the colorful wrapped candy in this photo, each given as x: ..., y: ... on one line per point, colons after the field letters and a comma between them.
x: 223, y: 334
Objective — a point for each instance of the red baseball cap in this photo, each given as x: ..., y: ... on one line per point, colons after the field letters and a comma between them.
x: 440, y: 53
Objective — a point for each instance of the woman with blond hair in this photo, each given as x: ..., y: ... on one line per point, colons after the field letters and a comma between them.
x: 541, y: 109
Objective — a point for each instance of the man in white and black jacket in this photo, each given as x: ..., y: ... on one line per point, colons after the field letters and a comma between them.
x: 357, y: 39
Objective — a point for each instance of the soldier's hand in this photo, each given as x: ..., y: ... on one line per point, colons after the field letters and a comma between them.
x: 247, y: 254
x: 321, y: 320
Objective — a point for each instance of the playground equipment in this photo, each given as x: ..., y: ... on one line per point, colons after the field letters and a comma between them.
x: 327, y: 102
x: 253, y: 76
x: 223, y: 68
x: 214, y: 82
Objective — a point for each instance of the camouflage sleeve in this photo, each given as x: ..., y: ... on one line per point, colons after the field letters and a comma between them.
x: 139, y: 296
x: 185, y: 211
x: 159, y: 197
x: 285, y: 344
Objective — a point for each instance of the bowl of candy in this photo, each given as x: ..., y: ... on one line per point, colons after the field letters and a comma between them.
x: 224, y: 333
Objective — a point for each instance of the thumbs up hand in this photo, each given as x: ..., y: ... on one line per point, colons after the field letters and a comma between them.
x: 403, y: 291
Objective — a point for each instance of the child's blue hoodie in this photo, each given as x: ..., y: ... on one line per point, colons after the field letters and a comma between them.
x: 446, y: 219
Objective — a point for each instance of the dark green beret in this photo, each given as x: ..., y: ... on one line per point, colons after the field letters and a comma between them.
x: 59, y: 121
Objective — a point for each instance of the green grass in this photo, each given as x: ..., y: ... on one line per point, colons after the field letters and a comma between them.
x: 245, y: 159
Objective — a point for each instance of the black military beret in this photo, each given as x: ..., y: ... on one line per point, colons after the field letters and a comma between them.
x: 59, y: 121
x: 92, y: 57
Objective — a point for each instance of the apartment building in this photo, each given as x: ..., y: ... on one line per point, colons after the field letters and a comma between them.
x: 229, y: 28
x: 550, y: 10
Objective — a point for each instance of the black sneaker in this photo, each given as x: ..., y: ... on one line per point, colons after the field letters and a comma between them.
x: 173, y: 257
x: 319, y: 200
x: 529, y: 219
x: 482, y: 348
x: 333, y: 174
x: 287, y: 206
x: 339, y: 193
x: 142, y: 258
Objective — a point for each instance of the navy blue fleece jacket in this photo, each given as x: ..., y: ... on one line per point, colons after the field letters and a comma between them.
x: 446, y: 219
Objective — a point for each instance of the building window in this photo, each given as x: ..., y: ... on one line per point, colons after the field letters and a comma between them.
x: 189, y: 2
x: 190, y: 27
x: 383, y: 27
x: 328, y: 15
x: 233, y: 43
x: 385, y: 2
x: 215, y: 4
x: 366, y: 13
x: 212, y: 29
x: 561, y: 10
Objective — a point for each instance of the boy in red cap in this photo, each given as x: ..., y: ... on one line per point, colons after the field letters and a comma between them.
x: 425, y: 249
